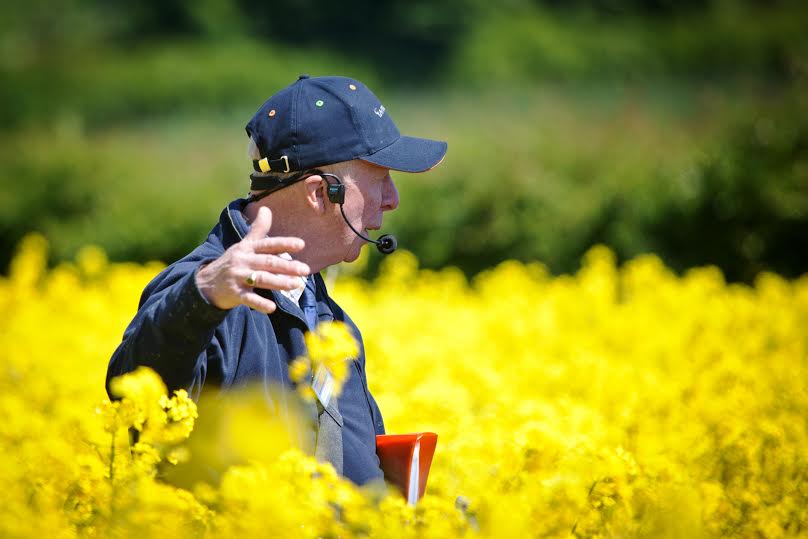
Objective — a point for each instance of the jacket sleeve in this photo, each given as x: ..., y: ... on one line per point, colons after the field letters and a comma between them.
x: 171, y: 331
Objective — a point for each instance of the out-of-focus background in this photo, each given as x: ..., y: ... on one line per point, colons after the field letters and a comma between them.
x: 673, y: 127
x: 622, y: 401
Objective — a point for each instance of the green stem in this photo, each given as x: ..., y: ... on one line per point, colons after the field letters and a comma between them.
x: 112, y: 475
x: 112, y: 459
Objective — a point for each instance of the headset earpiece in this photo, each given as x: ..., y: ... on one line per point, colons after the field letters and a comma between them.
x: 336, y: 193
x: 336, y: 190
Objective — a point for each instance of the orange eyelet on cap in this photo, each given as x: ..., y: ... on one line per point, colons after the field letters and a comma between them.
x: 271, y: 113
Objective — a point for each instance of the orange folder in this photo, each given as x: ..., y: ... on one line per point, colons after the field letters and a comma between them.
x: 405, y: 460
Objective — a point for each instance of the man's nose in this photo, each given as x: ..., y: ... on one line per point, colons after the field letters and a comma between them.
x: 389, y: 195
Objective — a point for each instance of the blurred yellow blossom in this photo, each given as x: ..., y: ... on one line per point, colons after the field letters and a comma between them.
x: 617, y: 402
x: 299, y: 368
x: 92, y: 260
x: 145, y: 390
x: 331, y: 346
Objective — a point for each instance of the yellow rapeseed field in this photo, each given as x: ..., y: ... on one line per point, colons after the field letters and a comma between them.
x: 618, y: 402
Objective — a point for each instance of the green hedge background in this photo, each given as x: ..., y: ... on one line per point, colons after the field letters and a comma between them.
x: 679, y: 128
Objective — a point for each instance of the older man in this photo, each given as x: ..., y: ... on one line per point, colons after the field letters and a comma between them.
x: 235, y: 309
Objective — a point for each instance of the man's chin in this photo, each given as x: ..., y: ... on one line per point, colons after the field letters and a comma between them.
x: 355, y: 251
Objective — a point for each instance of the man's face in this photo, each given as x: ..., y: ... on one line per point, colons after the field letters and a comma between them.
x: 369, y: 192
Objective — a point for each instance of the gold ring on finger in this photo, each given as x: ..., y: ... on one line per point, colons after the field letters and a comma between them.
x: 251, y: 279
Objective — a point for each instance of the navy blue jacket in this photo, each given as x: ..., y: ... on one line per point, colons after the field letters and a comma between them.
x: 192, y: 343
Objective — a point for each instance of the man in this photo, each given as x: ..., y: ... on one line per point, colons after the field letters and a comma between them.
x: 236, y: 308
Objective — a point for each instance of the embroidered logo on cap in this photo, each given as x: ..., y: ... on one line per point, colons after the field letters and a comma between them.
x: 379, y: 111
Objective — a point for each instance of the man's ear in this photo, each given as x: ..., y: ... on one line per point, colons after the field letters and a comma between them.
x: 314, y: 189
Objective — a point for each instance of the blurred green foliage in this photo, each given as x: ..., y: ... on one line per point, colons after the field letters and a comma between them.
x: 706, y: 183
x: 746, y: 207
x: 649, y: 125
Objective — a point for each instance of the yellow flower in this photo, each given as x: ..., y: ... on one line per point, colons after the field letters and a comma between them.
x: 622, y: 402
x: 178, y: 455
x: 29, y: 264
x: 145, y: 389
x: 181, y: 412
x: 92, y: 260
x: 299, y: 368
x: 333, y: 346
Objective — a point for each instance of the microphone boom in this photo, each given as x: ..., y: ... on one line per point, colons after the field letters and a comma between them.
x: 386, y: 244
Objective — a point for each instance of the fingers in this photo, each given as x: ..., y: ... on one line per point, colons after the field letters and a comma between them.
x: 259, y: 303
x: 272, y: 281
x: 281, y: 244
x: 254, y: 260
x: 259, y: 242
x: 277, y: 264
x: 260, y: 227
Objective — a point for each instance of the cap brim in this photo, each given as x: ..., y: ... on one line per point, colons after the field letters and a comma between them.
x: 409, y: 154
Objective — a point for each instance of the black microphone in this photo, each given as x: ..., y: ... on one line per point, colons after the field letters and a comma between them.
x: 386, y: 244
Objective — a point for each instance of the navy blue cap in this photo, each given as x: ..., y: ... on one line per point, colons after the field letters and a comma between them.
x: 324, y: 120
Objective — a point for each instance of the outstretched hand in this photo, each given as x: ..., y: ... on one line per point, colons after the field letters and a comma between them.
x: 224, y: 282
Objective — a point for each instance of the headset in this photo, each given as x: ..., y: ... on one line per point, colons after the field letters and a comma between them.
x: 386, y: 244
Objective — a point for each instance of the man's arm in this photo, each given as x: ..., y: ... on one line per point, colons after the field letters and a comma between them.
x: 170, y: 331
x: 182, y: 307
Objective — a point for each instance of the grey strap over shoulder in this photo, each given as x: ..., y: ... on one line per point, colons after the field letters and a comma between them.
x: 329, y: 435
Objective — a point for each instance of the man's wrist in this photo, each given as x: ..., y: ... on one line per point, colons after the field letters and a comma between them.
x: 200, y: 284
